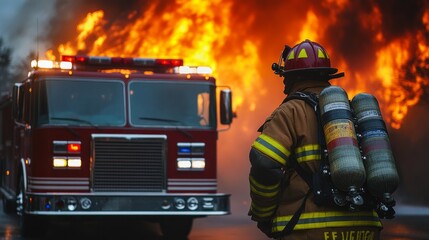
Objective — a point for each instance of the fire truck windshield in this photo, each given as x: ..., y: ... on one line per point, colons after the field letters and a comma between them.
x: 172, y: 103
x: 81, y: 102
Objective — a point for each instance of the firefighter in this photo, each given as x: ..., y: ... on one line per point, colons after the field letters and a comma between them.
x: 277, y: 191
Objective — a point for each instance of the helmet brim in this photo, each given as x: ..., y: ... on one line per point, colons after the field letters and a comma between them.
x: 320, y: 70
x: 322, y: 73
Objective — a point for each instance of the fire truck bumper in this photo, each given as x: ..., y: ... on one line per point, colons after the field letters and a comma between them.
x: 128, y: 204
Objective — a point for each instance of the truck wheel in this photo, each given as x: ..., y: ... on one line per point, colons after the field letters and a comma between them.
x: 9, y: 207
x: 30, y: 225
x: 176, y: 228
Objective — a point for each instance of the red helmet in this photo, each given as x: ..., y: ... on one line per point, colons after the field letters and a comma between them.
x: 306, y: 60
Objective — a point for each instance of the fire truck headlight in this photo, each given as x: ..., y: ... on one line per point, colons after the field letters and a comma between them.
x: 60, y: 162
x: 74, y: 162
x: 198, y: 163
x: 191, y: 164
x: 184, y: 163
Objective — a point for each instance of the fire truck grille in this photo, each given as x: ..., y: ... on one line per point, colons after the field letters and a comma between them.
x: 131, y: 163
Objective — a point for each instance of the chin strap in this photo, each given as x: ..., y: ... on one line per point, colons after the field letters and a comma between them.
x: 337, y: 75
x: 290, y: 82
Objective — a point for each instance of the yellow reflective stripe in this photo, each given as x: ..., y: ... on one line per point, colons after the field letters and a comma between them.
x: 291, y: 55
x: 309, y: 152
x: 268, y: 187
x: 263, y: 209
x: 329, y: 214
x: 329, y: 219
x: 309, y: 147
x: 272, y: 148
x: 268, y: 152
x: 263, y: 212
x: 320, y: 53
x: 302, y: 53
x: 262, y: 215
x: 308, y: 158
x: 264, y: 194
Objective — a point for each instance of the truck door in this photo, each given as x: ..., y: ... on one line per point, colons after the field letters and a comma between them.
x: 22, y: 127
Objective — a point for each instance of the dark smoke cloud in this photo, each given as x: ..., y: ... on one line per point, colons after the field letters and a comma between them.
x: 401, y: 17
x: 409, y: 145
x: 70, y: 13
x: 355, y: 41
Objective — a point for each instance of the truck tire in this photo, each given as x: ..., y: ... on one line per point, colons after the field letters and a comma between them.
x: 177, y: 228
x: 9, y: 206
x: 30, y: 225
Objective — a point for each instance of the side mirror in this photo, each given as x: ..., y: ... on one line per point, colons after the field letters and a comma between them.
x: 226, y: 114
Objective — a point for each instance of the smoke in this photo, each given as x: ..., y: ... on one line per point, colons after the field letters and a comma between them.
x: 409, y: 146
x: 354, y: 36
x: 21, y: 29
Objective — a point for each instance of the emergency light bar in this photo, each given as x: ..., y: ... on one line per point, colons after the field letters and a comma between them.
x: 119, y: 62
x: 47, y: 64
x: 193, y: 70
x: 93, y: 63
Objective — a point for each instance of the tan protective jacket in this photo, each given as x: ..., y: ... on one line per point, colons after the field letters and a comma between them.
x: 292, y: 128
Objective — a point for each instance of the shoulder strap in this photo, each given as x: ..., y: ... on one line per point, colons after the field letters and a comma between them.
x: 313, y: 101
x: 310, y: 98
x: 309, y: 178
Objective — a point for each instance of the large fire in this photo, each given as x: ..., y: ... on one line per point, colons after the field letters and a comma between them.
x: 206, y: 33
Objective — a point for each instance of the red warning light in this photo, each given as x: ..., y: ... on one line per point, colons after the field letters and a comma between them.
x: 73, y: 147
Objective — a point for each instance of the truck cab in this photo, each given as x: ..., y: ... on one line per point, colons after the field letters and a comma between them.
x: 102, y: 136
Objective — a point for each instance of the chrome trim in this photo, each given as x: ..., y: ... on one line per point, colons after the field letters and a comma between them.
x: 58, y: 187
x: 127, y: 137
x: 58, y: 178
x: 6, y: 194
x: 142, y: 213
x: 191, y: 144
x: 39, y: 182
x: 126, y: 194
x: 192, y: 184
x: 192, y: 180
x: 24, y: 173
x: 46, y: 183
x: 210, y: 204
x: 193, y: 188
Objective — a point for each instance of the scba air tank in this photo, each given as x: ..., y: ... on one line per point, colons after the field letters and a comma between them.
x: 345, y: 160
x: 382, y: 176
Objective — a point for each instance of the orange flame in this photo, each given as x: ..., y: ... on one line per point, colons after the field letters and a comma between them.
x: 191, y: 30
x: 202, y: 33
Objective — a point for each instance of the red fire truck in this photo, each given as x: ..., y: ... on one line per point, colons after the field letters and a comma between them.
x: 102, y: 136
